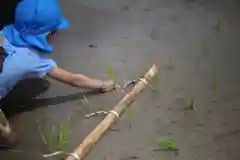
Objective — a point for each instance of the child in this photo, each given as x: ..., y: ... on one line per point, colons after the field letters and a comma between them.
x: 26, y: 44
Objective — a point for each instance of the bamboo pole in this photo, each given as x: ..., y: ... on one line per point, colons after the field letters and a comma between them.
x: 82, y: 150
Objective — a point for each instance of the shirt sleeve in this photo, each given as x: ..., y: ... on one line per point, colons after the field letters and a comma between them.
x: 45, y: 66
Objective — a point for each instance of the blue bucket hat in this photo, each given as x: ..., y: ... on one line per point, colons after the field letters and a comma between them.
x: 33, y: 20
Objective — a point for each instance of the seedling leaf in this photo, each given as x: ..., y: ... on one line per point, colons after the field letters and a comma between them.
x: 110, y: 72
x: 166, y: 144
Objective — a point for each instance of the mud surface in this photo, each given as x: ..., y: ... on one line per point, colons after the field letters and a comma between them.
x: 195, y: 43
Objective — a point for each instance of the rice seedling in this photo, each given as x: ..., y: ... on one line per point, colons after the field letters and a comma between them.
x: 56, y: 138
x: 204, y: 54
x: 170, y: 64
x: 86, y: 103
x: 166, y: 144
x: 154, y: 84
x: 204, y: 51
x: 110, y: 72
x: 129, y: 114
x: 218, y: 27
x: 191, y: 101
x: 213, y: 85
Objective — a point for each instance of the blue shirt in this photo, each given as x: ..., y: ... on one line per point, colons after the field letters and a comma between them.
x: 21, y: 63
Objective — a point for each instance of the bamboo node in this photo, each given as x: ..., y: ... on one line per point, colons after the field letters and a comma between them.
x: 115, y: 113
x: 144, y: 80
x: 75, y: 155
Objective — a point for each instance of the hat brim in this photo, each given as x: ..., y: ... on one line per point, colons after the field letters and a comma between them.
x: 64, y: 24
x: 27, y: 40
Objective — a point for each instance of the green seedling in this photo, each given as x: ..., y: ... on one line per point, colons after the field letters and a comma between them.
x: 45, y: 77
x: 63, y: 137
x: 205, y: 52
x: 57, y: 138
x: 191, y: 101
x: 214, y: 84
x: 155, y: 83
x: 203, y: 55
x: 86, y: 103
x: 110, y: 72
x: 129, y: 114
x: 166, y: 144
x: 217, y: 27
x: 170, y: 64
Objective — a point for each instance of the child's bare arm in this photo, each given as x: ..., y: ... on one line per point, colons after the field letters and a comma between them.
x: 80, y: 81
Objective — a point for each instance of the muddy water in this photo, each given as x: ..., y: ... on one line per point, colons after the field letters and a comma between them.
x: 195, y: 43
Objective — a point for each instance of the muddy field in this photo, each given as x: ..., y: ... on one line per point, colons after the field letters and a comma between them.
x: 195, y: 98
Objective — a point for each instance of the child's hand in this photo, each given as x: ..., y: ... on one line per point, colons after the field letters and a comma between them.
x: 108, y: 86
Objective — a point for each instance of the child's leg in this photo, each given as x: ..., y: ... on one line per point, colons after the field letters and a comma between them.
x: 8, y: 139
x: 20, y: 94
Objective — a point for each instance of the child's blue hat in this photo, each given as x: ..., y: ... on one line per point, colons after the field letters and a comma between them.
x: 33, y: 20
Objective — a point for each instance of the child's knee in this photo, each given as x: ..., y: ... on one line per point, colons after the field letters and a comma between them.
x: 8, y: 139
